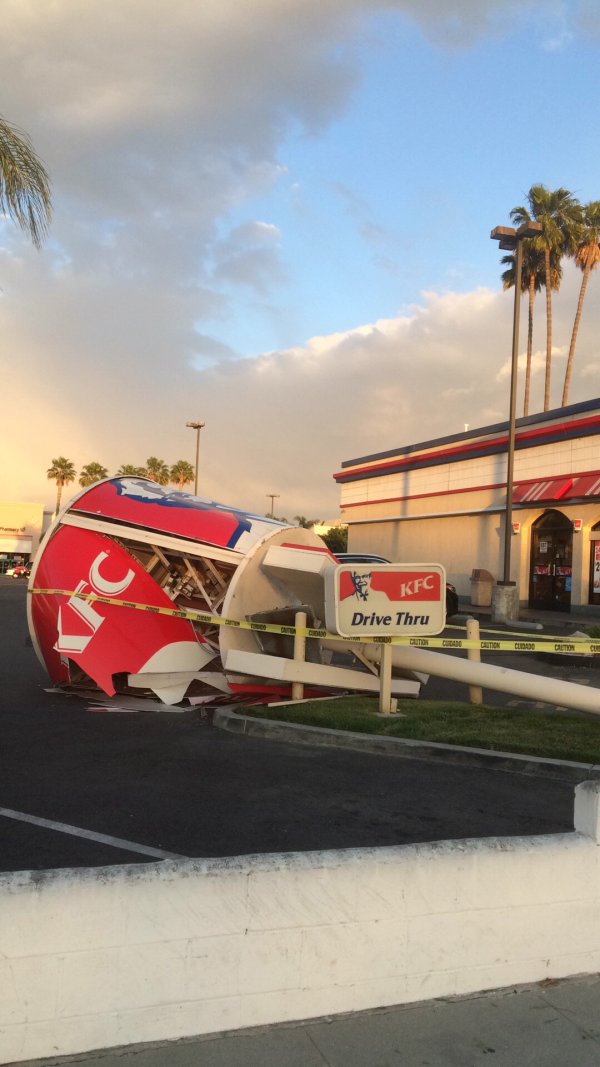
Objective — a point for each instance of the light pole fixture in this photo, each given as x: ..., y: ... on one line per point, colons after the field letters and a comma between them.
x: 273, y: 497
x: 512, y: 240
x: 197, y: 426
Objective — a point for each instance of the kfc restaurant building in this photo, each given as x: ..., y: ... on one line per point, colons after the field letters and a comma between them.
x: 443, y: 501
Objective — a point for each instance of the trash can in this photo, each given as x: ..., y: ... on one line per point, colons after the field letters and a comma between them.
x: 481, y: 588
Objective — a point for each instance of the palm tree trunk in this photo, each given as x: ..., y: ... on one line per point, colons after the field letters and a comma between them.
x: 548, y: 330
x: 58, y: 496
x: 529, y: 344
x: 569, y: 367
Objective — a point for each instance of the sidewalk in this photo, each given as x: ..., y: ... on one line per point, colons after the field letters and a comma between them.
x: 549, y: 1024
x: 558, y: 622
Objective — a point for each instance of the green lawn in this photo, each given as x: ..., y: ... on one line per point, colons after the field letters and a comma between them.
x: 452, y: 723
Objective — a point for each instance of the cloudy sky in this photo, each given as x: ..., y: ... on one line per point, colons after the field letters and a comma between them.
x: 273, y: 216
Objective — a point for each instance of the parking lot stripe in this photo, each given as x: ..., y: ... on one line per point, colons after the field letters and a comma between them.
x: 90, y: 835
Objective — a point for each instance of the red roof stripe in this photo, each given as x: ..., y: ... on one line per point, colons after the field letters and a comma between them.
x: 586, y: 484
x: 465, y: 449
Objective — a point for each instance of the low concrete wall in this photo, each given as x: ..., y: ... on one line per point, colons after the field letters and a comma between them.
x: 94, y: 958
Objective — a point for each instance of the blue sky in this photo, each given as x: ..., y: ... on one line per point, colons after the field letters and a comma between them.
x: 274, y: 217
x: 437, y: 144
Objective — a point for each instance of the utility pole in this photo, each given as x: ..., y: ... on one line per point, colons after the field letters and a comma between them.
x: 510, y: 239
x: 273, y: 497
x: 197, y: 426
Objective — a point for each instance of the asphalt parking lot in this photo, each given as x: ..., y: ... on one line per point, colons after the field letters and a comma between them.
x: 82, y: 788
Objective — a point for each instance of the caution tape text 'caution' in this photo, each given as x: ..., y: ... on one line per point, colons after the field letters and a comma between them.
x: 578, y: 646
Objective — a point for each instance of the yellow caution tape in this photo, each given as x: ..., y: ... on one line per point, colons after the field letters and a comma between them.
x: 579, y: 646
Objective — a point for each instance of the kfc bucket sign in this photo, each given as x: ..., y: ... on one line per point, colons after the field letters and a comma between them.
x: 103, y: 639
x: 386, y: 599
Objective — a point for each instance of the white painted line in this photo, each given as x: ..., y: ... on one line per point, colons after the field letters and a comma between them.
x: 90, y: 835
x: 114, y: 711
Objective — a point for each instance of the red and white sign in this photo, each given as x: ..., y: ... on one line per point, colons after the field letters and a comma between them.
x: 102, y: 639
x: 385, y: 599
x: 140, y: 502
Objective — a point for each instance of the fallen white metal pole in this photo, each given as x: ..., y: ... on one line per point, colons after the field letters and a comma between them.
x: 519, y: 683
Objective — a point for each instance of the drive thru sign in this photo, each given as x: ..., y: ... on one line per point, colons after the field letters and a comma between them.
x: 386, y: 599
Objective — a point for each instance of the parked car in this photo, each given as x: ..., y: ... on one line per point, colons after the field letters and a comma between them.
x: 23, y: 570
x: 364, y: 557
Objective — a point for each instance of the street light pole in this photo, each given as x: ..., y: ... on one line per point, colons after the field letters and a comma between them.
x: 511, y: 239
x: 197, y: 426
x: 273, y: 497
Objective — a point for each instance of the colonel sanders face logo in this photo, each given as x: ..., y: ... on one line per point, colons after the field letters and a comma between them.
x: 362, y: 584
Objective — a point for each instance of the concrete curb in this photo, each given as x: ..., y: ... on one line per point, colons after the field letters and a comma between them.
x: 298, y: 733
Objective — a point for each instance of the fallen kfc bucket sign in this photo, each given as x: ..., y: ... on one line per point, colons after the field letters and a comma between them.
x: 386, y: 599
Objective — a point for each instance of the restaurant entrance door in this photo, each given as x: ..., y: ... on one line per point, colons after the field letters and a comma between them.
x: 595, y: 564
x: 551, y: 559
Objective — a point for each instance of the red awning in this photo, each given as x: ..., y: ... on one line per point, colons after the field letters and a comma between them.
x: 588, y: 485
x: 551, y: 489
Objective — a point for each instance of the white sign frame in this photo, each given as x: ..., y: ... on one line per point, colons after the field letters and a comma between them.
x: 409, y: 600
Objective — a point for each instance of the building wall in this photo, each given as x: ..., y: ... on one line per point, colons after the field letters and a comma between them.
x: 461, y: 543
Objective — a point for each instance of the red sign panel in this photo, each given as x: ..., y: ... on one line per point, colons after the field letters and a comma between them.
x: 139, y: 502
x: 103, y: 639
x: 409, y: 586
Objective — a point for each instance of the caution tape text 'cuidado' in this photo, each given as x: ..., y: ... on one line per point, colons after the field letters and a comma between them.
x: 547, y: 644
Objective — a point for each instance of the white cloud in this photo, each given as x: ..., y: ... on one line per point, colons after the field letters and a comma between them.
x: 156, y: 121
x: 284, y: 421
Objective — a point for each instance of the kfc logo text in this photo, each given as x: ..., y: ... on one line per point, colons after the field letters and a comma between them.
x: 74, y: 643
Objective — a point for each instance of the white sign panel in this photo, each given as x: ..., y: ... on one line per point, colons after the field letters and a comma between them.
x: 385, y: 599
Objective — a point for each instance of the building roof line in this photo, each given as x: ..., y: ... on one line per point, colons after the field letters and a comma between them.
x: 563, y: 431
x: 473, y: 435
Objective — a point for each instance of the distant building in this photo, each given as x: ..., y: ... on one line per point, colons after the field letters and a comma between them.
x: 443, y: 501
x: 21, y: 529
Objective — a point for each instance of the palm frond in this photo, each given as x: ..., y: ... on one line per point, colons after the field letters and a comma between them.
x: 24, y: 183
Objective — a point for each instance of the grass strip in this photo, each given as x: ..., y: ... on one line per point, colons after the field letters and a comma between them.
x: 534, y: 733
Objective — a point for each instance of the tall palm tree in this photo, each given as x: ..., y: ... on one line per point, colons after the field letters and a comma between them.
x: 532, y: 280
x: 560, y: 215
x: 128, y: 470
x: 62, y: 472
x: 307, y: 524
x: 182, y: 473
x: 93, y: 472
x: 24, y: 183
x: 157, y: 470
x: 587, y: 258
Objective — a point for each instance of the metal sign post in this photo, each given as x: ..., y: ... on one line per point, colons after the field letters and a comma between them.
x: 387, y: 705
